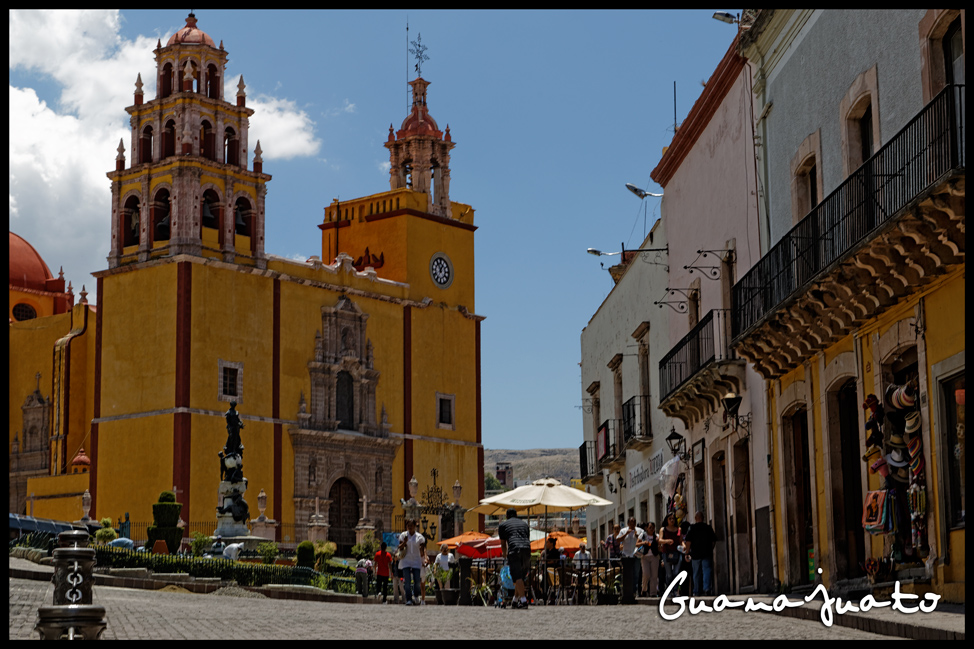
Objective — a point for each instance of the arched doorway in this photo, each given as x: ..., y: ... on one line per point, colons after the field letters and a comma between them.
x: 849, y: 540
x: 800, y: 524
x: 343, y: 515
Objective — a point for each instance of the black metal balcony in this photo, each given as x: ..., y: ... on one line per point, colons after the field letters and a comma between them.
x: 707, y: 342
x: 919, y: 157
x: 609, y: 450
x: 636, y: 431
x: 586, y: 460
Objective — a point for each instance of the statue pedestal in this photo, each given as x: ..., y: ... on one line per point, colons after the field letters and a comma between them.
x: 226, y: 525
x: 363, y: 526
x: 264, y: 527
x: 318, y: 529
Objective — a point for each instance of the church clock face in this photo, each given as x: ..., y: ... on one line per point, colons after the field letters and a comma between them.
x: 441, y: 270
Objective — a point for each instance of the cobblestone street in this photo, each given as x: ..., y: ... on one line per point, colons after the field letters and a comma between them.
x: 137, y: 614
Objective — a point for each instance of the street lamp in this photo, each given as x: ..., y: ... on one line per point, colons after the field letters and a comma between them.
x: 725, y: 17
x: 641, y: 193
x: 678, y: 445
x: 732, y: 404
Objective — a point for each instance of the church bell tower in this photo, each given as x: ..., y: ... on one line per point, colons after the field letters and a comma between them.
x: 188, y: 189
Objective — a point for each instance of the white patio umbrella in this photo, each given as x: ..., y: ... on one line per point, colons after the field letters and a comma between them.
x: 540, y: 496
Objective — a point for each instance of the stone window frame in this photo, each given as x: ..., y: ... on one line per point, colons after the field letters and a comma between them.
x: 452, y: 398
x: 932, y: 28
x: 863, y: 92
x: 221, y: 395
x: 809, y: 154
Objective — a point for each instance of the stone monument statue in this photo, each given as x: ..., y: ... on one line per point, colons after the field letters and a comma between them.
x: 232, y: 511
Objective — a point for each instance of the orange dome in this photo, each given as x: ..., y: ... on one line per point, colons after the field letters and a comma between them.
x: 419, y: 121
x: 27, y: 269
x: 81, y: 458
x: 190, y: 34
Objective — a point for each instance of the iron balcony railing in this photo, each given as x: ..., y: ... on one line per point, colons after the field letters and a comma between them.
x: 586, y: 459
x: 915, y: 159
x: 633, y: 426
x: 606, y: 445
x: 707, y: 342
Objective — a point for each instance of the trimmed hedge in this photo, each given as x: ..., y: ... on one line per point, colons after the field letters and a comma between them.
x: 165, y: 514
x: 306, y: 554
x: 245, y: 574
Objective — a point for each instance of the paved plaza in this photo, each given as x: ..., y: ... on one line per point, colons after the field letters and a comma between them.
x: 136, y: 614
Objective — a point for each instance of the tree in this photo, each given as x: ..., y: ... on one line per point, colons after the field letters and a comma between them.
x: 491, y: 483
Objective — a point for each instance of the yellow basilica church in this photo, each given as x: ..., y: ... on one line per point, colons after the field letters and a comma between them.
x: 352, y: 372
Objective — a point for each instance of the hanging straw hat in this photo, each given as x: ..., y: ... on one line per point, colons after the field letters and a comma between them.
x: 915, y: 446
x: 897, y: 458
x: 896, y: 439
x: 916, y: 465
x: 913, y: 422
x: 900, y: 474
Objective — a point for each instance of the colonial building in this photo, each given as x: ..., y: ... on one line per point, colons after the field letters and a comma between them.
x: 624, y: 431
x: 352, y: 372
x: 855, y: 314
x: 709, y: 208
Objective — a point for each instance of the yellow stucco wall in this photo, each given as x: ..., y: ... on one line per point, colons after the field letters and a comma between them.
x: 944, y: 336
x: 58, y: 497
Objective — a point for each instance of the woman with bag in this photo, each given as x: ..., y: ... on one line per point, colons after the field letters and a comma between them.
x: 668, y: 545
x: 647, y: 548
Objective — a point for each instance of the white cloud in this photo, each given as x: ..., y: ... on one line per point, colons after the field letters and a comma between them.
x: 59, y: 197
x: 384, y: 167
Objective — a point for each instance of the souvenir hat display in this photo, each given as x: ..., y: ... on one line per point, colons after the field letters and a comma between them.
x: 900, y: 397
x: 916, y: 465
x: 896, y: 439
x: 900, y: 474
x: 897, y: 458
x: 913, y: 423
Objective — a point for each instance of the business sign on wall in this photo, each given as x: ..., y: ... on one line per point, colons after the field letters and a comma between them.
x: 643, y: 472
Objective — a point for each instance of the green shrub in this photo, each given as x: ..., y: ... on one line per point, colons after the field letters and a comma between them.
x: 324, y: 551
x: 107, y: 522
x: 367, y: 548
x: 200, y: 544
x: 105, y: 534
x: 305, y: 554
x: 268, y: 551
x: 165, y: 514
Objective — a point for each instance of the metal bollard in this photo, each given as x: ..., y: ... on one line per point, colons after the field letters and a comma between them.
x: 75, y: 622
x: 73, y: 617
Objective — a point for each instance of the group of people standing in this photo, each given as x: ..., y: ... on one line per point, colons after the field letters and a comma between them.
x: 686, y: 548
x: 406, y: 570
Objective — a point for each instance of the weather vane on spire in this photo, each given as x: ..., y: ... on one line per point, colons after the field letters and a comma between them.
x: 419, y: 51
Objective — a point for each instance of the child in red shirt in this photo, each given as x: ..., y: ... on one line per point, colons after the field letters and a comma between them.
x: 382, y: 560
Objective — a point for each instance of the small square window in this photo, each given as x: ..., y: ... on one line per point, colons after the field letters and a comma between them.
x: 230, y: 381
x: 445, y: 411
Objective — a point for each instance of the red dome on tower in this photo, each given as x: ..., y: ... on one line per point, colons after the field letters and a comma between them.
x: 27, y: 269
x: 191, y: 34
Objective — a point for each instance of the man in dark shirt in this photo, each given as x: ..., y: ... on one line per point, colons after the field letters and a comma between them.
x: 515, y: 536
x: 700, y: 541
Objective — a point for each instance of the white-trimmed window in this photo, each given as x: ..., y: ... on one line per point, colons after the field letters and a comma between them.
x: 230, y: 381
x: 446, y: 411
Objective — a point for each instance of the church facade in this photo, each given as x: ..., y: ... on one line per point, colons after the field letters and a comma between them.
x: 352, y: 372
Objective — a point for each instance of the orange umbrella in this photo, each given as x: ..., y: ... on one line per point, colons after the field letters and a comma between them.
x: 466, y: 537
x: 563, y: 540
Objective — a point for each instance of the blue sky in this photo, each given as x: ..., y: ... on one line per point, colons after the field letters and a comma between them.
x: 552, y: 113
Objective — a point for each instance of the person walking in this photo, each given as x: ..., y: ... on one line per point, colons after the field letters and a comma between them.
x: 412, y: 544
x: 515, y: 536
x: 668, y: 545
x: 383, y: 562
x: 648, y: 551
x: 396, y: 573
x: 627, y: 539
x: 700, y: 540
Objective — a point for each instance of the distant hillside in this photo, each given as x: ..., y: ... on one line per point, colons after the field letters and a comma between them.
x: 559, y: 463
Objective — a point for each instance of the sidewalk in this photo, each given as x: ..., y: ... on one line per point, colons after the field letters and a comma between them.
x: 946, y: 622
